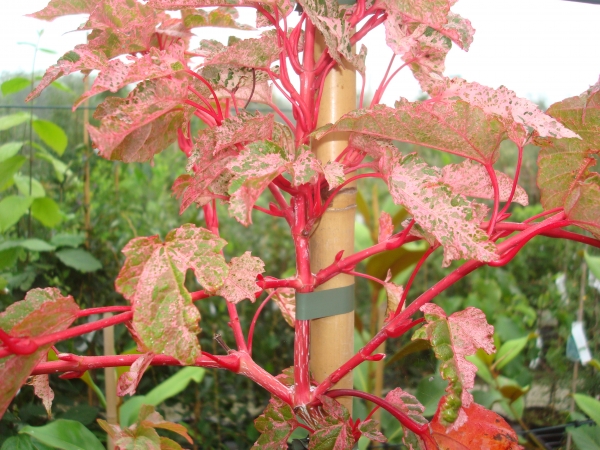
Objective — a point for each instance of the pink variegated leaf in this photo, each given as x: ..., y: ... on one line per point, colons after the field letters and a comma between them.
x: 334, y: 174
x: 44, y: 311
x: 333, y: 430
x: 80, y: 58
x: 209, y: 181
x: 472, y: 180
x: 423, y: 48
x: 454, y: 221
x: 453, y: 338
x: 240, y: 283
x: 257, y: 53
x: 252, y: 171
x: 383, y: 151
x: 519, y: 115
x: 286, y: 301
x: 408, y: 404
x: 42, y: 390
x: 329, y: 18
x: 564, y: 163
x: 394, y: 295
x: 386, y: 227
x: 275, y: 426
x: 285, y: 8
x: 174, y: 5
x: 458, y: 128
x: 241, y: 129
x: 582, y: 205
x: 57, y: 8
x: 153, y: 280
x: 155, y: 64
x: 238, y: 83
x: 459, y: 30
x: 370, y: 430
x: 129, y: 380
x: 123, y: 27
x: 306, y: 167
x: 222, y: 17
x: 128, y: 124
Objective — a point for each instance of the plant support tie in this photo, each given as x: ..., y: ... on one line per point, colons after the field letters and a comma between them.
x: 331, y: 302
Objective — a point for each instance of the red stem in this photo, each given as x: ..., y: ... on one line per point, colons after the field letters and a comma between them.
x: 404, y: 419
x: 341, y: 186
x: 515, y: 181
x: 255, y: 318
x: 492, y: 174
x: 212, y: 91
x: 409, y: 283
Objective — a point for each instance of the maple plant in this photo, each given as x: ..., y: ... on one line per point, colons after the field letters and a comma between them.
x: 240, y: 155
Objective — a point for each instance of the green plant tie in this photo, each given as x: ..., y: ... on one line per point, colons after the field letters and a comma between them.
x: 330, y: 302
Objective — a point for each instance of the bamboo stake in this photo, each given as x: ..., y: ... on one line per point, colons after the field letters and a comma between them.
x: 110, y: 381
x: 332, y: 338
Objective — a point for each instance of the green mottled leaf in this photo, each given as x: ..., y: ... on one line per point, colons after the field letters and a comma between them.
x: 223, y: 17
x: 43, y: 311
x: 453, y: 338
x: 79, y: 259
x: 153, y: 278
x: 52, y: 135
x: 13, y: 208
x: 15, y: 85
x: 64, y: 434
x: 240, y: 283
x: 57, y: 8
x: 47, y: 211
x: 334, y: 431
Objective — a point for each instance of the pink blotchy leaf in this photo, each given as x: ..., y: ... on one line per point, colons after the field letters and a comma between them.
x: 241, y: 281
x: 154, y: 64
x: 306, y: 167
x: 253, y: 170
x: 334, y: 430
x: 452, y: 339
x: 286, y: 300
x: 153, y: 280
x: 43, y: 311
x: 42, y: 390
x: 223, y: 17
x: 275, y: 424
x: 146, y: 116
x: 472, y: 180
x: 57, y: 8
x: 454, y: 221
x: 519, y: 114
x: 458, y: 128
x: 386, y: 227
x: 334, y: 174
x: 129, y: 381
x: 408, y: 404
x: 80, y: 58
x: 564, y: 163
x: 582, y: 206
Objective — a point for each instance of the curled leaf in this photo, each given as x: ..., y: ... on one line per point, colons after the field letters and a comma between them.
x: 129, y: 380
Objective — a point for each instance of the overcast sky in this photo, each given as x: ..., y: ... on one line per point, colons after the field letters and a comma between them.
x: 542, y: 49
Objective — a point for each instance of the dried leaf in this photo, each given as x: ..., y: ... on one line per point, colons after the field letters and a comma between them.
x: 241, y: 280
x: 458, y: 128
x: 43, y: 311
x: 453, y: 220
x: 483, y: 429
x: 146, y: 116
x: 275, y: 424
x: 518, y: 114
x: 152, y: 279
x: 129, y: 380
x: 472, y: 179
x: 42, y: 390
x: 386, y: 227
x: 453, y: 338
